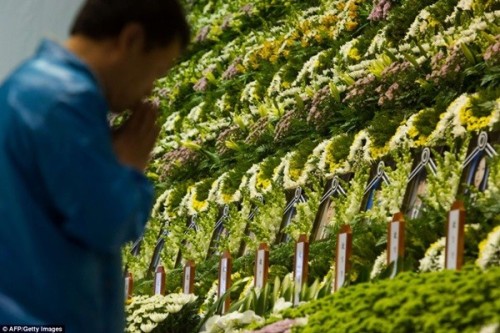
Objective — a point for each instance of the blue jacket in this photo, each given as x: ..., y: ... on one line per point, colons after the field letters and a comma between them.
x: 66, y: 204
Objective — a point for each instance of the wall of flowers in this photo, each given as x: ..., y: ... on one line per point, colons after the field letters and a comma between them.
x: 277, y: 102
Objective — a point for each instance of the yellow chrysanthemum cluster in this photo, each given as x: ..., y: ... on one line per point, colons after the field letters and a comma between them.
x: 473, y: 123
x: 262, y: 183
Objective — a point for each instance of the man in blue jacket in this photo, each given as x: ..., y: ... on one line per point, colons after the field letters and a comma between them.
x: 72, y: 191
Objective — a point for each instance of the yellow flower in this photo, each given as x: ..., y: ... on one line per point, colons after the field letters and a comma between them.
x: 379, y: 151
x: 265, y: 53
x: 422, y: 141
x: 241, y: 68
x: 433, y: 23
x: 354, y: 54
x: 227, y: 198
x: 263, y: 183
x: 413, y: 132
x: 350, y: 26
x: 473, y: 123
x: 295, y: 174
x: 199, y: 205
x: 328, y: 20
x: 286, y: 85
x: 305, y: 26
x: 483, y: 244
x: 333, y: 166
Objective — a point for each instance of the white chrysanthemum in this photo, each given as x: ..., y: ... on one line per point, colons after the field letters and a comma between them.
x: 131, y: 328
x: 451, y: 119
x: 434, y: 257
x: 243, y: 184
x: 161, y: 200
x: 189, y: 134
x: 281, y: 305
x: 173, y: 308
x: 214, y: 189
x: 212, y: 293
x: 465, y: 4
x: 169, y: 125
x: 211, y: 324
x: 308, y: 68
x: 205, y: 60
x: 250, y: 317
x: 401, y: 136
x: 419, y: 25
x: 346, y: 48
x: 148, y: 327
x: 195, y: 112
x: 324, y: 155
x: 275, y: 85
x: 309, y: 12
x: 158, y: 317
x: 489, y: 250
x: 288, y: 182
x: 287, y: 104
x: 379, y: 265
x: 361, y: 144
x: 186, y: 201
x: 378, y: 42
x: 495, y: 115
x: 230, y: 322
x: 491, y: 328
x: 249, y: 93
x: 252, y: 186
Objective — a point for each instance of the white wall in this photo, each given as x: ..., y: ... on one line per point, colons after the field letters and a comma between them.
x: 23, y: 23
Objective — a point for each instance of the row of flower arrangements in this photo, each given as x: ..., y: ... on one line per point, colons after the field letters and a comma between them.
x: 263, y: 187
x: 354, y: 80
x: 276, y: 95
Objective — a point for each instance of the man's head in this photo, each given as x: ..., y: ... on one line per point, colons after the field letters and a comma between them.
x: 129, y: 43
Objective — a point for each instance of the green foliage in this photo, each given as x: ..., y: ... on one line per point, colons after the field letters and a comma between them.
x: 174, y: 280
x: 245, y: 264
x: 206, y: 272
x: 482, y: 105
x: 368, y: 242
x: 401, y: 18
x: 184, y: 321
x: 282, y: 255
x: 160, y: 314
x: 442, y: 9
x: 341, y: 143
x: 263, y: 301
x: 384, y: 125
x: 427, y: 120
x: 421, y: 232
x: 321, y: 256
x: 447, y: 301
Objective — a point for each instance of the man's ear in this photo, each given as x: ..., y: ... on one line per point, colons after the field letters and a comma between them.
x: 132, y: 39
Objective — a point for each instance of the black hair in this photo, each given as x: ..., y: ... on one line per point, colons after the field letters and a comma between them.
x: 163, y: 20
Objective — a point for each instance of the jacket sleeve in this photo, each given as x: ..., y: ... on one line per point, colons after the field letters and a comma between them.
x: 100, y: 202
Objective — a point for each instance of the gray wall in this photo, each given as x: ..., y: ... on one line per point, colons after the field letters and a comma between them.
x: 23, y: 23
